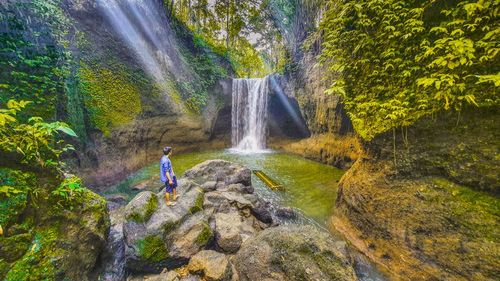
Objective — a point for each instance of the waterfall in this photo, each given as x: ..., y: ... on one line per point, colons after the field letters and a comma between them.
x: 249, y: 114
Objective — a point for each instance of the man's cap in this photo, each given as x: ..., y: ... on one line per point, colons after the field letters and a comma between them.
x: 167, y: 149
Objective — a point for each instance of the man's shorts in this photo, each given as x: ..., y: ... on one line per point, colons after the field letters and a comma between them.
x: 170, y: 188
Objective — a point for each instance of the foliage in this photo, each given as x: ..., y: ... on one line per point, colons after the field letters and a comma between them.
x: 225, y: 27
x: 396, y: 61
x: 14, y: 187
x: 206, y: 64
x: 33, y: 59
x: 34, y: 140
x: 68, y: 192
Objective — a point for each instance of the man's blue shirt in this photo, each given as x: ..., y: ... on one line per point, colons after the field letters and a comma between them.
x: 165, y: 165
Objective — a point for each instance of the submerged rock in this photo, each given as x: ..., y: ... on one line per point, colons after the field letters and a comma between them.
x: 293, y: 253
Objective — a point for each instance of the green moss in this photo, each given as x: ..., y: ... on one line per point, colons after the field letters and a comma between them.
x: 151, y: 207
x: 12, y: 205
x: 204, y: 236
x: 39, y: 261
x: 198, y: 204
x: 13, y: 248
x: 152, y: 248
x: 113, y: 100
x: 168, y: 227
x: 4, y: 268
x: 135, y: 217
x: 477, y: 211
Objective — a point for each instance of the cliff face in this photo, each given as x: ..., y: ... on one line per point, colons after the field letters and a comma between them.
x: 167, y: 114
x: 128, y: 79
x: 430, y: 218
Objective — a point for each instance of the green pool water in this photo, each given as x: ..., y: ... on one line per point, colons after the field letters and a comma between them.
x: 309, y: 186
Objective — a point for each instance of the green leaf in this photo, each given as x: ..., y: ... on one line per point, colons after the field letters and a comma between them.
x: 67, y: 130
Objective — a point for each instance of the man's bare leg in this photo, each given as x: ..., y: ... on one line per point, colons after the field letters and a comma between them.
x: 175, y: 194
x: 167, y: 197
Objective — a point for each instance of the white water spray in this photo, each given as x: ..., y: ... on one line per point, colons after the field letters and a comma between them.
x: 249, y: 114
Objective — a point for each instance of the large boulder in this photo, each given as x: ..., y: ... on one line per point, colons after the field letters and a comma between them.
x: 293, y: 253
x: 227, y: 231
x: 151, y: 241
x: 211, y: 265
x: 56, y: 242
x: 220, y: 171
x: 216, y: 209
x: 419, y: 228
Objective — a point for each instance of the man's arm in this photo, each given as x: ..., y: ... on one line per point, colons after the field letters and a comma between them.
x: 169, y: 178
x: 167, y: 172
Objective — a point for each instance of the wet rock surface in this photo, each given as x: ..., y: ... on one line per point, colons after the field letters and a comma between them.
x: 212, y: 229
x: 425, y: 228
x: 293, y: 253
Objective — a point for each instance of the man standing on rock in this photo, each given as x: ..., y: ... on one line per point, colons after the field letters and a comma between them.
x: 167, y: 176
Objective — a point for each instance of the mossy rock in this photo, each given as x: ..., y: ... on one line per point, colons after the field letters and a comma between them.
x: 61, y: 243
x: 205, y: 235
x: 294, y: 253
x: 13, y: 248
x: 142, y: 207
x: 152, y: 248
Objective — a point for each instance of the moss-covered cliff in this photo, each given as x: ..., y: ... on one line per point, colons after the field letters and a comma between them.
x: 434, y: 214
x: 89, y: 75
x: 48, y: 237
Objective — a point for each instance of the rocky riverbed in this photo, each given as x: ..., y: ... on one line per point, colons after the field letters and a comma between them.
x: 218, y: 230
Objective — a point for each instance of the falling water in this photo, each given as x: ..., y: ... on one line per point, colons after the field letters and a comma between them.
x: 249, y: 114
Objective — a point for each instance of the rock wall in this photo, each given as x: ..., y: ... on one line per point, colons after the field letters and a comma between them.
x: 434, y: 215
x: 122, y: 139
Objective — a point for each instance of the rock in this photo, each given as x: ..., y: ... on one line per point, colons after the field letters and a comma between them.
x: 142, y: 207
x: 224, y: 201
x: 190, y: 237
x: 293, y: 253
x: 191, y: 277
x: 165, y: 275
x: 261, y: 211
x: 164, y: 240
x: 418, y: 238
x: 62, y: 244
x: 238, y: 187
x: 231, y: 230
x: 220, y: 171
x: 171, y: 276
x: 286, y: 213
x: 209, y: 185
x: 227, y: 232
x: 211, y: 265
